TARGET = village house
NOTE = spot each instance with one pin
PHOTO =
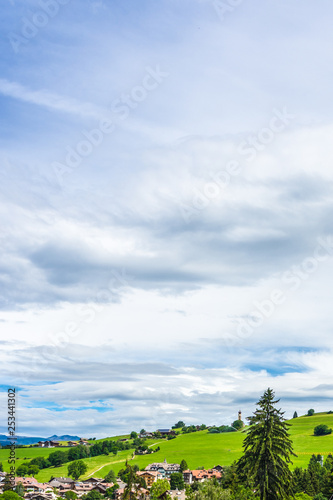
(187, 475)
(93, 480)
(142, 494)
(190, 476)
(58, 481)
(2, 479)
(82, 487)
(163, 468)
(149, 476)
(76, 488)
(40, 496)
(31, 484)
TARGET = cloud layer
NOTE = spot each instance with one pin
(166, 211)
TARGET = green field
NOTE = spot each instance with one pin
(198, 449)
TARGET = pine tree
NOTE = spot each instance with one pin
(267, 450)
(329, 462)
(19, 489)
(183, 465)
(316, 475)
(299, 480)
(7, 485)
(295, 414)
(133, 483)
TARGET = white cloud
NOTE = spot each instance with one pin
(152, 251)
(49, 100)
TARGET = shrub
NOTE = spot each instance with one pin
(238, 424)
(10, 495)
(322, 430)
(302, 496)
(311, 412)
(110, 477)
(227, 428)
(70, 495)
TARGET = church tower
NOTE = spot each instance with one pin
(240, 415)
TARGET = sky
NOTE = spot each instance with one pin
(166, 211)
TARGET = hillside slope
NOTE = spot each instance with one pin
(198, 449)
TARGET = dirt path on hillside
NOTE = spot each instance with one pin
(118, 461)
(155, 443)
(109, 463)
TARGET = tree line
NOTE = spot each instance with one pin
(59, 457)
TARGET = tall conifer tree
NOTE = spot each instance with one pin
(267, 450)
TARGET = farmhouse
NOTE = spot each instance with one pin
(146, 435)
(166, 432)
(48, 444)
(72, 443)
(84, 442)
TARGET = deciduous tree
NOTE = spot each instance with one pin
(238, 424)
(177, 481)
(76, 469)
(158, 488)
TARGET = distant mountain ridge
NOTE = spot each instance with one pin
(33, 440)
(64, 437)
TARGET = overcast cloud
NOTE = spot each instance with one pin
(166, 211)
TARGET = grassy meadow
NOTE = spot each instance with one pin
(198, 449)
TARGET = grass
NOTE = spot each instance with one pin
(93, 463)
(305, 443)
(198, 449)
(114, 438)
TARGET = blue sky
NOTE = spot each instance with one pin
(166, 211)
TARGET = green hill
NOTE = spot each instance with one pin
(198, 449)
